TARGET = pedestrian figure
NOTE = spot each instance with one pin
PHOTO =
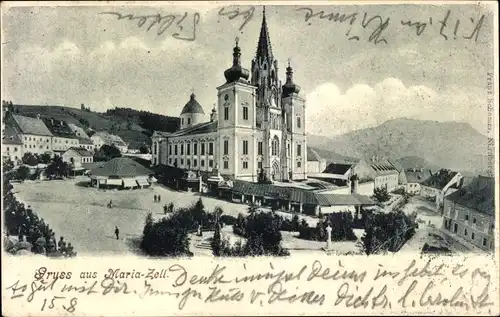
(117, 232)
(155, 198)
(165, 209)
(159, 198)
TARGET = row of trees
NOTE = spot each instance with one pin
(33, 233)
(262, 233)
(56, 167)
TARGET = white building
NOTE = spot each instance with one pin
(440, 185)
(256, 131)
(77, 156)
(33, 132)
(100, 138)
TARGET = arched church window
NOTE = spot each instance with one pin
(275, 146)
(265, 66)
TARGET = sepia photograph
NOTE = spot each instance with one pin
(212, 131)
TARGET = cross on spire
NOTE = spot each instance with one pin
(237, 39)
(289, 61)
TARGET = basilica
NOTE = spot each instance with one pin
(255, 131)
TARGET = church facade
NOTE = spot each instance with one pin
(256, 130)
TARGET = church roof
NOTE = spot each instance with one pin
(201, 128)
(192, 106)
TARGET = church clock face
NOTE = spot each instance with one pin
(226, 97)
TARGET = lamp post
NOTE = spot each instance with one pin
(328, 237)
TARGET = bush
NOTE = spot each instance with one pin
(381, 194)
(340, 222)
(228, 220)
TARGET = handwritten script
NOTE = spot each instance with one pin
(347, 287)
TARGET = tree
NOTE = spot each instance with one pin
(23, 173)
(30, 159)
(58, 167)
(108, 152)
(143, 149)
(7, 164)
(381, 194)
(45, 158)
(167, 237)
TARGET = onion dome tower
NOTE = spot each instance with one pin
(290, 87)
(192, 113)
(236, 72)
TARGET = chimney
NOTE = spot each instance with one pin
(52, 121)
(213, 115)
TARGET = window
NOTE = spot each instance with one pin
(472, 236)
(465, 232)
(245, 147)
(195, 148)
(259, 165)
(195, 163)
(299, 164)
(182, 149)
(259, 148)
(25, 138)
(245, 165)
(226, 113)
(466, 217)
(275, 146)
(474, 220)
(226, 165)
(298, 122)
(182, 121)
(226, 147)
(188, 149)
(202, 149)
(7, 149)
(245, 113)
(202, 163)
(299, 150)
(188, 162)
(155, 148)
(175, 149)
(170, 161)
(170, 149)
(485, 241)
(189, 120)
(210, 163)
(182, 161)
(211, 148)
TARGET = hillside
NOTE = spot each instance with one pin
(452, 145)
(415, 161)
(134, 127)
(331, 156)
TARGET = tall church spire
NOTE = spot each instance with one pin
(264, 46)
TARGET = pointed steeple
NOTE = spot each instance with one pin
(264, 45)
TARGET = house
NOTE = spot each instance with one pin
(414, 177)
(12, 145)
(86, 144)
(83, 139)
(100, 138)
(469, 213)
(440, 185)
(78, 155)
(401, 170)
(34, 134)
(378, 170)
(315, 164)
(63, 137)
(340, 171)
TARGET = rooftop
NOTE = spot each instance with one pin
(201, 128)
(81, 151)
(417, 175)
(479, 195)
(28, 125)
(121, 167)
(59, 128)
(440, 179)
(339, 169)
(192, 106)
(11, 137)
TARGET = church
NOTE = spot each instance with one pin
(256, 131)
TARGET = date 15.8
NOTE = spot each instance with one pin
(57, 300)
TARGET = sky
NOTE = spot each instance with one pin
(350, 77)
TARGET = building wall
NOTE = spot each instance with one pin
(36, 144)
(196, 162)
(191, 119)
(63, 144)
(365, 189)
(388, 181)
(13, 151)
(77, 158)
(412, 188)
(313, 167)
(475, 227)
